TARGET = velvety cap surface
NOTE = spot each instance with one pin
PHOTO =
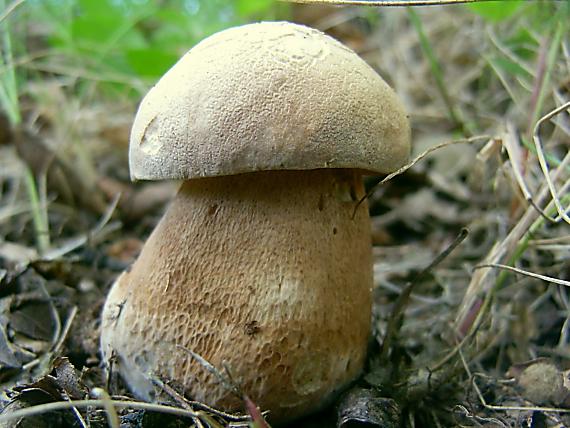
(267, 96)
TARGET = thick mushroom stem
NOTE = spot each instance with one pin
(268, 273)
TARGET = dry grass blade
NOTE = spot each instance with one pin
(54, 314)
(396, 319)
(78, 415)
(483, 282)
(112, 416)
(11, 8)
(511, 143)
(77, 242)
(526, 273)
(204, 408)
(59, 336)
(560, 239)
(416, 160)
(511, 408)
(479, 419)
(474, 376)
(179, 399)
(65, 405)
(546, 62)
(225, 380)
(562, 212)
(386, 2)
(64, 331)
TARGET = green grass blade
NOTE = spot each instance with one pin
(39, 214)
(436, 70)
(8, 83)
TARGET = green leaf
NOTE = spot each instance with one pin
(150, 62)
(98, 7)
(510, 67)
(247, 8)
(495, 11)
(95, 29)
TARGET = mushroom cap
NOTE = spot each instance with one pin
(268, 96)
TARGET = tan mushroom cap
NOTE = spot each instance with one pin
(268, 96)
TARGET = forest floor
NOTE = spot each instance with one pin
(471, 243)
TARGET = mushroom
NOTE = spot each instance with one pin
(261, 263)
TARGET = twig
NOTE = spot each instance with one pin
(565, 239)
(180, 400)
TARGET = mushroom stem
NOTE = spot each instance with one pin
(267, 273)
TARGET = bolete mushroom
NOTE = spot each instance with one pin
(261, 263)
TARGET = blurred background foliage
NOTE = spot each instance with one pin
(122, 43)
(128, 44)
